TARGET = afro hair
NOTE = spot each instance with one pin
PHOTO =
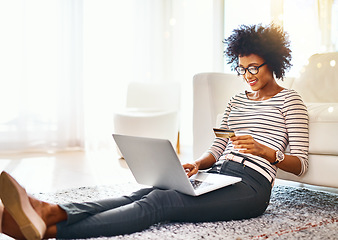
(270, 43)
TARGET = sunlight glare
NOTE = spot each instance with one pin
(332, 63)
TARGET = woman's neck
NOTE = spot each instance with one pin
(264, 94)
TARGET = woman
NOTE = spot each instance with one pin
(265, 121)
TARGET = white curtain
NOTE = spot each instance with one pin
(40, 77)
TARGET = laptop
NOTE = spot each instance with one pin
(154, 162)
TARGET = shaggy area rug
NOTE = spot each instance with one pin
(293, 213)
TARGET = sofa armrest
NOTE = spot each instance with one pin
(211, 93)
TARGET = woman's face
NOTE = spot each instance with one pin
(263, 78)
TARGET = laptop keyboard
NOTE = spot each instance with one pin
(197, 183)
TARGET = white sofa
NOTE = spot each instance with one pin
(317, 84)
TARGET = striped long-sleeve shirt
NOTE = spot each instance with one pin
(276, 122)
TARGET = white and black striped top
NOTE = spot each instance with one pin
(276, 122)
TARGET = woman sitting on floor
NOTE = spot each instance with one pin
(265, 121)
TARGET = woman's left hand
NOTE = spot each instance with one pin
(247, 144)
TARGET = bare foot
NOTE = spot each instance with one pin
(50, 213)
(16, 203)
(30, 215)
(10, 227)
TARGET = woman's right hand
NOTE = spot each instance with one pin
(190, 168)
(204, 162)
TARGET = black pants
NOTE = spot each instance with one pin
(246, 199)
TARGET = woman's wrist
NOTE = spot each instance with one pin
(197, 164)
(269, 154)
(205, 161)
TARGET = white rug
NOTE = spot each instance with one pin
(293, 213)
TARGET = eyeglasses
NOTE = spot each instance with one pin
(252, 69)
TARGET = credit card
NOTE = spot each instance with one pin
(224, 133)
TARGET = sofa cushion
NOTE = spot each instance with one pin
(323, 128)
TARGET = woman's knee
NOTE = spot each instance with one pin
(164, 200)
(137, 195)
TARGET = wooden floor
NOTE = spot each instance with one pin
(49, 172)
(43, 172)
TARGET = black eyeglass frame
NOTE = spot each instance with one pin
(257, 68)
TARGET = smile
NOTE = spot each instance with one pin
(252, 82)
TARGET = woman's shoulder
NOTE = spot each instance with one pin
(238, 99)
(240, 95)
(290, 94)
(292, 99)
